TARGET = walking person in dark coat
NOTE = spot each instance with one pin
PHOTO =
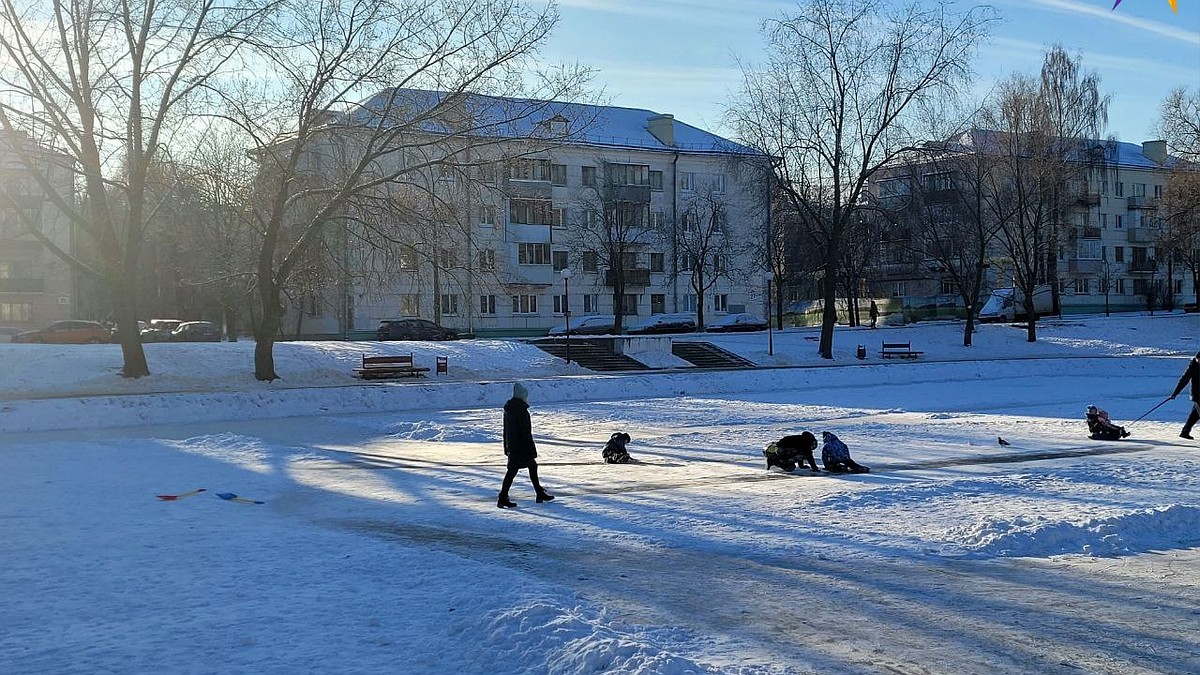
(1192, 374)
(519, 446)
(874, 314)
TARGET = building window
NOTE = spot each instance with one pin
(486, 173)
(629, 304)
(590, 262)
(1120, 288)
(410, 304)
(530, 212)
(688, 302)
(949, 287)
(533, 254)
(657, 219)
(591, 303)
(558, 217)
(1158, 190)
(629, 260)
(720, 302)
(899, 289)
(1089, 249)
(687, 181)
(559, 259)
(487, 259)
(1118, 254)
(1104, 220)
(449, 304)
(1120, 221)
(558, 174)
(487, 305)
(588, 176)
(16, 311)
(628, 174)
(535, 170)
(524, 304)
(658, 303)
(487, 215)
(1120, 189)
(560, 304)
(1138, 189)
(448, 258)
(656, 181)
(938, 182)
(656, 262)
(1083, 286)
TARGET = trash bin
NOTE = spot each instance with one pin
(862, 352)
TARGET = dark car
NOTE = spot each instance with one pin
(114, 334)
(196, 331)
(737, 323)
(592, 324)
(664, 323)
(66, 333)
(159, 330)
(413, 329)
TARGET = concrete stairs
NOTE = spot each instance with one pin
(590, 355)
(708, 355)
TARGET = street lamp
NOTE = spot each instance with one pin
(770, 336)
(566, 277)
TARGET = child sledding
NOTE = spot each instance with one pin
(614, 450)
(1101, 428)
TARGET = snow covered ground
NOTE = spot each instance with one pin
(378, 548)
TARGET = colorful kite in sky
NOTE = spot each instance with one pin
(1171, 2)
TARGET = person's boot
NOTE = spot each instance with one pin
(503, 503)
(543, 496)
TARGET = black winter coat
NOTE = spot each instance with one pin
(1192, 373)
(518, 434)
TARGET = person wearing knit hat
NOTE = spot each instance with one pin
(519, 447)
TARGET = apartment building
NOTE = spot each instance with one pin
(1108, 241)
(525, 230)
(36, 286)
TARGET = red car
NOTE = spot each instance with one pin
(66, 333)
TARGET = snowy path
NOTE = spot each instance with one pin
(380, 543)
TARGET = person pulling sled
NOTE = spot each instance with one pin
(1101, 428)
(789, 451)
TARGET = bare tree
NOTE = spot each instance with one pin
(326, 158)
(833, 102)
(111, 85)
(1179, 207)
(704, 244)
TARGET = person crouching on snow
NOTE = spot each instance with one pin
(1101, 427)
(836, 456)
(519, 446)
(789, 451)
(614, 450)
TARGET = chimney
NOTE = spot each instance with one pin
(1156, 151)
(662, 127)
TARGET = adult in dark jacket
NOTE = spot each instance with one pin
(789, 451)
(519, 446)
(1192, 374)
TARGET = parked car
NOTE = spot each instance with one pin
(664, 323)
(734, 323)
(196, 331)
(66, 333)
(114, 334)
(413, 329)
(594, 324)
(159, 330)
(7, 333)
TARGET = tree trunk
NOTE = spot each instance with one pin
(229, 317)
(699, 277)
(265, 330)
(1030, 317)
(133, 355)
(829, 311)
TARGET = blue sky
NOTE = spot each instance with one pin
(681, 56)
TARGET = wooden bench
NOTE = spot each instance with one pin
(377, 367)
(901, 350)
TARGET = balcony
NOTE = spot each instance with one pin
(528, 234)
(1143, 266)
(22, 285)
(1142, 235)
(1085, 266)
(1089, 199)
(634, 277)
(532, 275)
(1141, 203)
(1087, 232)
(637, 194)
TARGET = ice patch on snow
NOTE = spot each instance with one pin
(1173, 526)
(548, 638)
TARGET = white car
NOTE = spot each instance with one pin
(593, 324)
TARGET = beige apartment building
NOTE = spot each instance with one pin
(524, 231)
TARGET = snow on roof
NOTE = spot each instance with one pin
(521, 118)
(1116, 153)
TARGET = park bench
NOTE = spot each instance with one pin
(443, 365)
(901, 350)
(377, 367)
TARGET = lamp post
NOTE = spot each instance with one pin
(770, 335)
(566, 277)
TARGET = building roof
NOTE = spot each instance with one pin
(1116, 153)
(522, 118)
